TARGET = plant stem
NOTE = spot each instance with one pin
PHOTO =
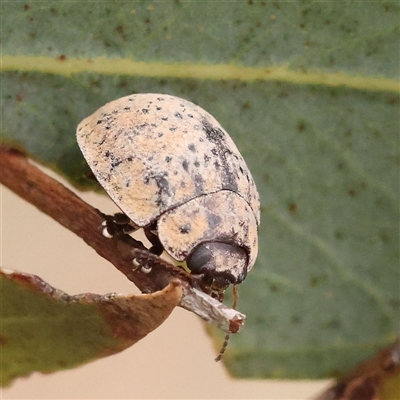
(60, 203)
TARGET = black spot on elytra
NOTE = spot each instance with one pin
(185, 165)
(145, 111)
(163, 189)
(116, 162)
(199, 184)
(185, 229)
(223, 154)
(168, 159)
(196, 164)
(213, 220)
(213, 134)
(192, 148)
(103, 139)
(162, 183)
(178, 115)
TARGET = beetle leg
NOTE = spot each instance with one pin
(151, 234)
(117, 224)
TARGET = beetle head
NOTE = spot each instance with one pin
(221, 264)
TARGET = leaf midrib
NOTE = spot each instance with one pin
(130, 67)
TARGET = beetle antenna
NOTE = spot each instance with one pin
(226, 340)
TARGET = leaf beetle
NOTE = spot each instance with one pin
(175, 172)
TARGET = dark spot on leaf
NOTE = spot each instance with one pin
(300, 126)
(26, 7)
(392, 100)
(122, 85)
(245, 106)
(352, 192)
(338, 235)
(62, 57)
(292, 207)
(334, 323)
(315, 280)
(19, 97)
(385, 238)
(121, 30)
(295, 319)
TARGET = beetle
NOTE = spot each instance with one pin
(175, 172)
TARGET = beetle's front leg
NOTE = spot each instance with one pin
(151, 233)
(117, 224)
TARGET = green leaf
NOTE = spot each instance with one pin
(44, 329)
(308, 90)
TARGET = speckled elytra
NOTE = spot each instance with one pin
(173, 170)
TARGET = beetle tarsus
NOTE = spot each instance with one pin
(117, 224)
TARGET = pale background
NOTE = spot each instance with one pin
(176, 361)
